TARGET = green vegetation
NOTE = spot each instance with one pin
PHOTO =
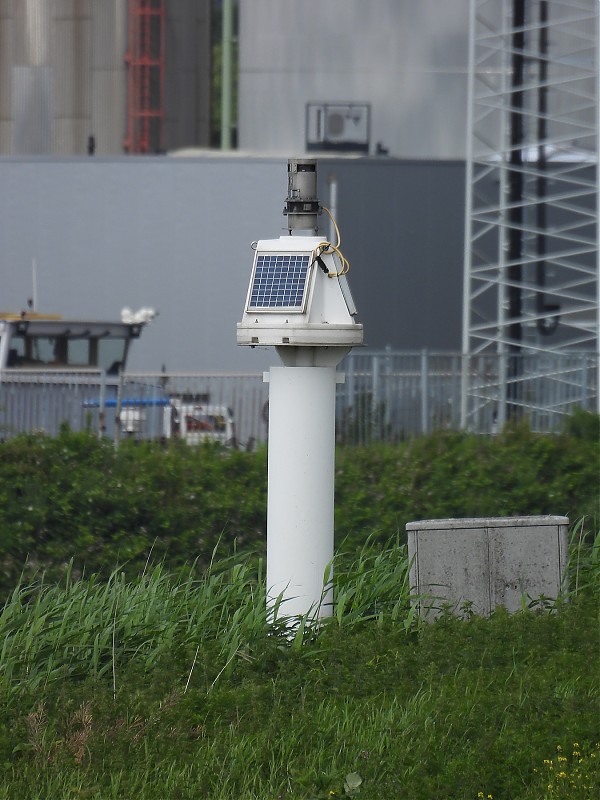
(75, 499)
(161, 678)
(174, 686)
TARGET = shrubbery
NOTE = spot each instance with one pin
(380, 489)
(75, 498)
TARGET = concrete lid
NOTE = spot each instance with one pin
(486, 522)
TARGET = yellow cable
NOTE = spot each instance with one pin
(337, 230)
(327, 247)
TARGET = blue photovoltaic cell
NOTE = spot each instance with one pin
(279, 281)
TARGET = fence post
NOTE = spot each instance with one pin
(102, 406)
(454, 394)
(424, 392)
(347, 394)
(117, 431)
(502, 367)
(376, 391)
(464, 390)
(585, 395)
(387, 391)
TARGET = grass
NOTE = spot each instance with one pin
(173, 686)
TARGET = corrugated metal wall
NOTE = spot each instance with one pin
(407, 58)
(187, 79)
(63, 75)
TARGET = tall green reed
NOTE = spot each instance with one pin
(93, 628)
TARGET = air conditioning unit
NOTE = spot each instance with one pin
(338, 126)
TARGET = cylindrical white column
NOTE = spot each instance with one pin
(301, 488)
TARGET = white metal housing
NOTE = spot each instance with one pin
(323, 317)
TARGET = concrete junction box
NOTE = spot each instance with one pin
(486, 562)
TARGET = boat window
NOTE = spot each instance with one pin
(78, 352)
(63, 352)
(111, 355)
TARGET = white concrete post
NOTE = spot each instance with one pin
(301, 474)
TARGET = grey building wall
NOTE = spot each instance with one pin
(402, 225)
(407, 58)
(175, 234)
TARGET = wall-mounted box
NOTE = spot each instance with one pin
(485, 563)
(341, 127)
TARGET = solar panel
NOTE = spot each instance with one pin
(279, 282)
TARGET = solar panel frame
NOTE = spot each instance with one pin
(280, 282)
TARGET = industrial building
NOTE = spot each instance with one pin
(104, 76)
(389, 76)
(134, 76)
(458, 143)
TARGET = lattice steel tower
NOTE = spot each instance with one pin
(531, 297)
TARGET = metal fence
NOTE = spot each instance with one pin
(32, 400)
(386, 396)
(391, 395)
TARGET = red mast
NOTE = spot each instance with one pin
(146, 61)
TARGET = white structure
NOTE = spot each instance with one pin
(531, 220)
(299, 297)
(298, 300)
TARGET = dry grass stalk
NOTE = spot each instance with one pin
(79, 729)
(37, 722)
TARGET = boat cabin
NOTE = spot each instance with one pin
(45, 341)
